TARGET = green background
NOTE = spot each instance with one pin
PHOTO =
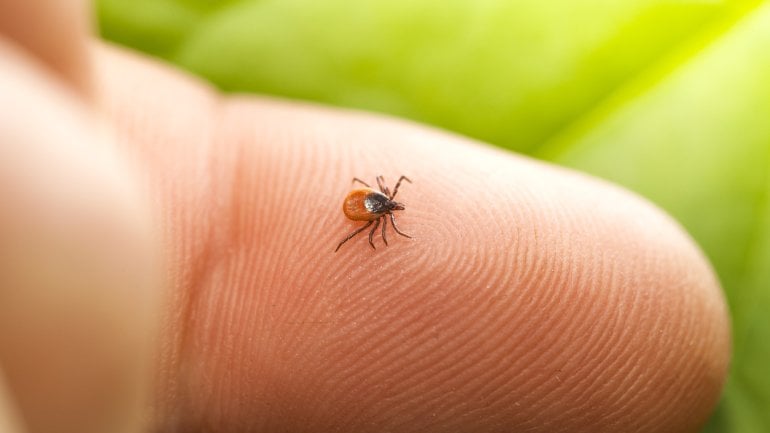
(669, 98)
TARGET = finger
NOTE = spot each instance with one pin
(78, 265)
(531, 298)
(55, 33)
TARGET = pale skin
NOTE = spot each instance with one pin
(162, 272)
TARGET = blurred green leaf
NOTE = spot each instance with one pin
(670, 98)
(507, 72)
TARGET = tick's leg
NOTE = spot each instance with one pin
(395, 227)
(355, 179)
(371, 233)
(383, 187)
(395, 190)
(359, 230)
(384, 224)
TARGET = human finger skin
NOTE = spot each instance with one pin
(531, 298)
(9, 416)
(55, 32)
(79, 264)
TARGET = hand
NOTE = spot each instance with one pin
(198, 233)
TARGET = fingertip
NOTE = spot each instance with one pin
(561, 300)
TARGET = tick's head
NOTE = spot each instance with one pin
(396, 206)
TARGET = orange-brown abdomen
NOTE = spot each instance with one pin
(354, 205)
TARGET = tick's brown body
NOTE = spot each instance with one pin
(359, 203)
(367, 204)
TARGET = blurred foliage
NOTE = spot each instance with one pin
(670, 98)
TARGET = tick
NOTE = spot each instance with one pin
(367, 204)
